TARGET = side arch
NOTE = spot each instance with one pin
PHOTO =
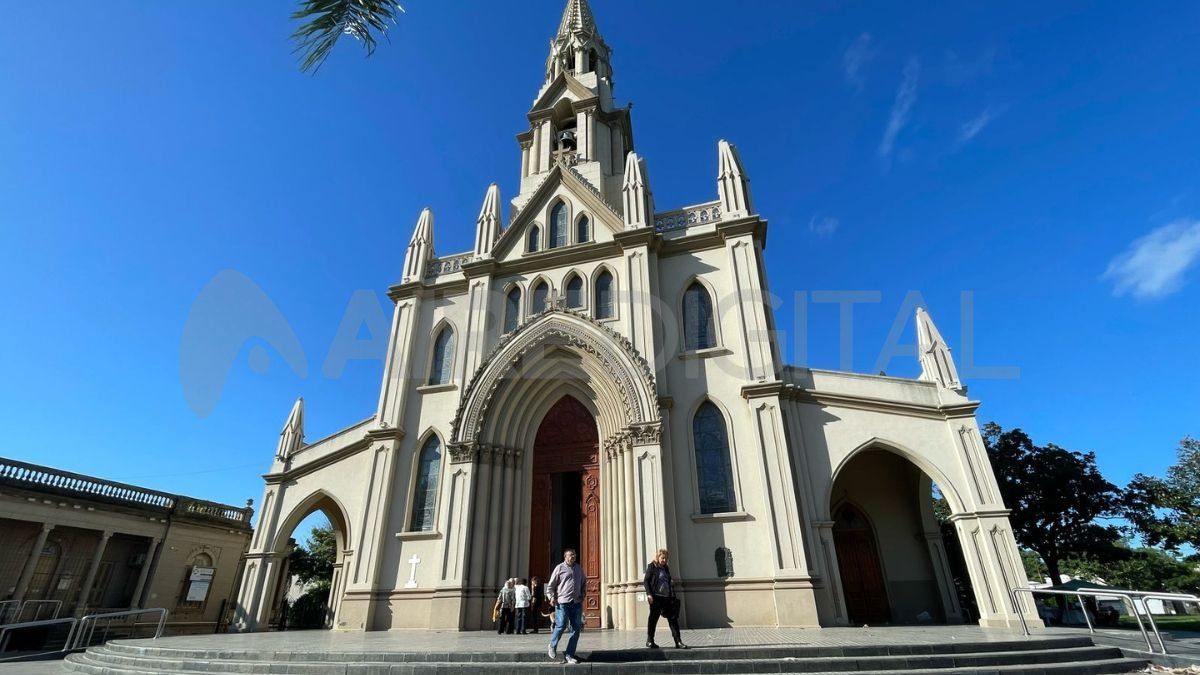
(949, 487)
(318, 500)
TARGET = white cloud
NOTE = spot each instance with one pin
(857, 55)
(1154, 265)
(905, 97)
(971, 128)
(824, 227)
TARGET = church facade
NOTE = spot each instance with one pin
(600, 375)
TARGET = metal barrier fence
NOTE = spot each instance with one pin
(83, 630)
(7, 631)
(1132, 597)
(9, 608)
(37, 609)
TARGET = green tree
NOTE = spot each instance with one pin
(1141, 569)
(1056, 497)
(1166, 511)
(328, 20)
(1035, 569)
(313, 561)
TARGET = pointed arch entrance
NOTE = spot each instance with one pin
(565, 511)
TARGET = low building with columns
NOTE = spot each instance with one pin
(601, 374)
(80, 545)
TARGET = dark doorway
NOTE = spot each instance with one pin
(858, 563)
(566, 497)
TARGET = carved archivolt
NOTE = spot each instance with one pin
(629, 374)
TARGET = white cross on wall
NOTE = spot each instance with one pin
(412, 576)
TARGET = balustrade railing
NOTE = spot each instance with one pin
(447, 265)
(215, 510)
(44, 478)
(680, 219)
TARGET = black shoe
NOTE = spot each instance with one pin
(651, 645)
(679, 645)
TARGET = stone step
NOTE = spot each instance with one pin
(99, 661)
(536, 654)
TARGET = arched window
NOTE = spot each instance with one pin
(535, 236)
(425, 489)
(604, 296)
(583, 230)
(714, 473)
(575, 292)
(541, 295)
(512, 310)
(443, 357)
(699, 327)
(558, 225)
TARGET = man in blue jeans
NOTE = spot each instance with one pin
(565, 591)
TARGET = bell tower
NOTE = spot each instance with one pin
(573, 122)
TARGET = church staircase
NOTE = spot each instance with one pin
(1040, 656)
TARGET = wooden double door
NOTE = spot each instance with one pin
(565, 510)
(863, 583)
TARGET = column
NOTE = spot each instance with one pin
(630, 564)
(832, 575)
(31, 563)
(135, 602)
(86, 589)
(546, 160)
(945, 579)
(524, 159)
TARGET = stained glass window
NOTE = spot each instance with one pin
(541, 294)
(425, 492)
(714, 473)
(558, 225)
(535, 235)
(512, 310)
(583, 230)
(699, 328)
(604, 296)
(575, 292)
(443, 357)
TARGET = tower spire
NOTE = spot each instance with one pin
(576, 18)
(420, 249)
(733, 187)
(487, 227)
(577, 48)
(292, 436)
(936, 362)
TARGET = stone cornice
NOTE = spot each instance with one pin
(643, 236)
(479, 267)
(763, 390)
(980, 514)
(319, 463)
(890, 406)
(385, 433)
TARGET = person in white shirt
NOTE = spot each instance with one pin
(524, 595)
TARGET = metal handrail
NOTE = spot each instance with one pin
(7, 628)
(57, 608)
(4, 609)
(1131, 596)
(77, 631)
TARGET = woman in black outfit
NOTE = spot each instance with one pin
(538, 596)
(660, 593)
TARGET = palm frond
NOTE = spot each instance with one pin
(328, 20)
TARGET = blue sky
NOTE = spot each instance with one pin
(1041, 157)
